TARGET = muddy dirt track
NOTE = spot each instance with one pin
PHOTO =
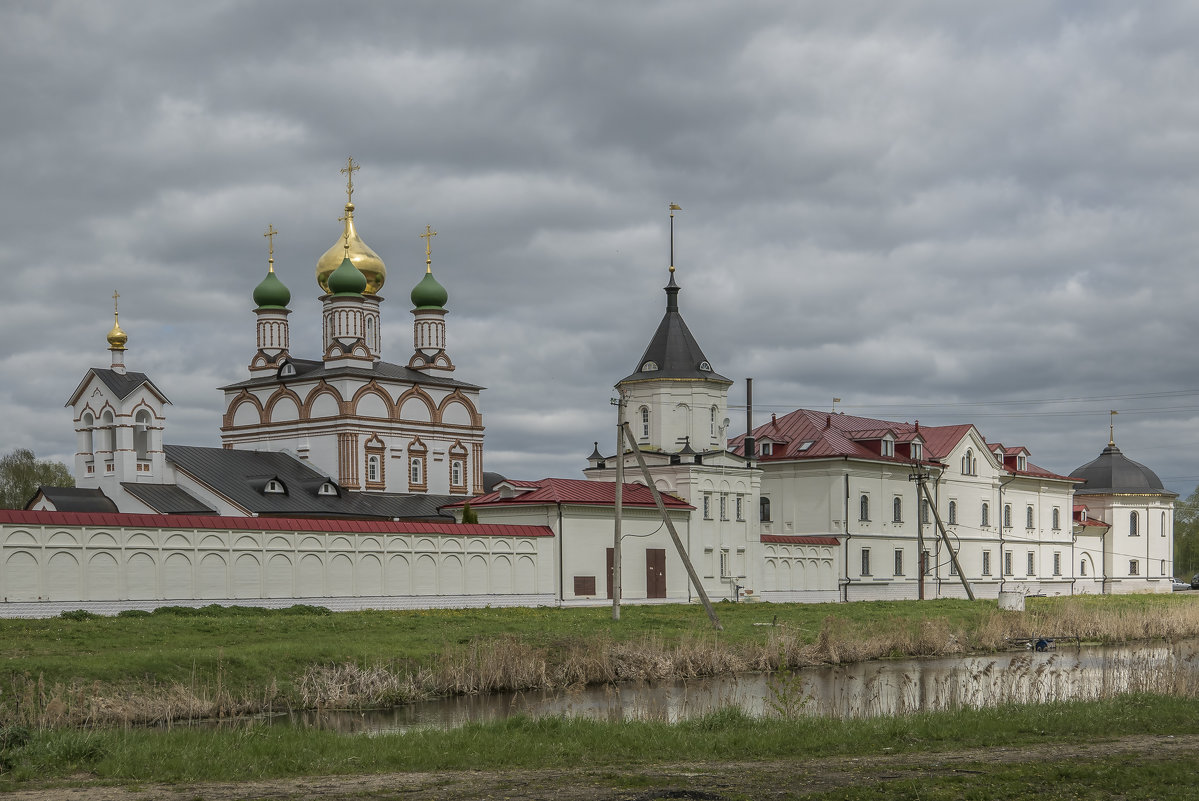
(703, 781)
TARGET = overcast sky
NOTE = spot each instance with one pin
(944, 211)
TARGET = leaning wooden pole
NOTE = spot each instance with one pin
(944, 536)
(674, 535)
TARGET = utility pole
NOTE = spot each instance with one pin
(619, 403)
(674, 535)
(921, 479)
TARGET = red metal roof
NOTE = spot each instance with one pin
(211, 522)
(845, 436)
(799, 540)
(577, 491)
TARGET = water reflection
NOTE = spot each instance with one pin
(859, 690)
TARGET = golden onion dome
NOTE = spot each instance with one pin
(116, 337)
(361, 256)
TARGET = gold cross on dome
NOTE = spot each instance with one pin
(270, 236)
(349, 171)
(428, 237)
(115, 296)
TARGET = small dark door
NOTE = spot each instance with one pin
(655, 572)
(610, 572)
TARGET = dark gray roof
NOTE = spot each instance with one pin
(76, 499)
(673, 349)
(121, 384)
(167, 499)
(240, 476)
(308, 369)
(490, 479)
(1113, 473)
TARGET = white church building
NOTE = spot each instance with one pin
(341, 481)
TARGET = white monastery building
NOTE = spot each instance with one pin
(342, 481)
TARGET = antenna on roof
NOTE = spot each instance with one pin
(835, 402)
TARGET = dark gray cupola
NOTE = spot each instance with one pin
(1113, 473)
(673, 352)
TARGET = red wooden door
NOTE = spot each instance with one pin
(655, 572)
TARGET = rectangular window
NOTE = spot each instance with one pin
(1007, 563)
(898, 562)
(986, 563)
(1134, 567)
(707, 506)
(709, 563)
(1031, 564)
(1163, 567)
(725, 566)
(865, 561)
(724, 506)
(1057, 563)
(740, 507)
(953, 568)
(928, 563)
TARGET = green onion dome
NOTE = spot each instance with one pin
(271, 293)
(429, 294)
(346, 279)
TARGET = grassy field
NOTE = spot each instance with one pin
(183, 663)
(255, 753)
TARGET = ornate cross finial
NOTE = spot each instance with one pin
(673, 208)
(349, 171)
(270, 236)
(115, 297)
(1111, 427)
(428, 237)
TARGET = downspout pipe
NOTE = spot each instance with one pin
(561, 563)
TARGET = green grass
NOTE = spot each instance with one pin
(253, 653)
(249, 753)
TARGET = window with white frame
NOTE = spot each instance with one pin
(707, 506)
(1007, 515)
(1163, 531)
(1133, 525)
(1057, 563)
(456, 473)
(986, 563)
(953, 513)
(1057, 519)
(917, 451)
(865, 561)
(864, 508)
(1030, 568)
(739, 507)
(1007, 563)
(985, 516)
(712, 423)
(1021, 462)
(1029, 517)
(899, 561)
(888, 448)
(764, 509)
(724, 506)
(417, 470)
(897, 510)
(726, 569)
(645, 422)
(968, 462)
(372, 468)
(1134, 567)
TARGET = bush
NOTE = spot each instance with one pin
(79, 614)
(133, 613)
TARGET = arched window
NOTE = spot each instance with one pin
(1163, 531)
(925, 512)
(897, 510)
(645, 422)
(89, 423)
(953, 513)
(370, 333)
(1133, 520)
(1057, 519)
(864, 508)
(968, 462)
(1007, 515)
(1028, 517)
(372, 468)
(986, 514)
(764, 509)
(141, 435)
(713, 421)
(417, 471)
(456, 473)
(107, 433)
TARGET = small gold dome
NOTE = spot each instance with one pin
(361, 256)
(116, 337)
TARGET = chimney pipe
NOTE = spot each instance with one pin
(749, 419)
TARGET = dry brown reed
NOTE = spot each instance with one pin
(510, 663)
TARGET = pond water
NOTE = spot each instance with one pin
(866, 689)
